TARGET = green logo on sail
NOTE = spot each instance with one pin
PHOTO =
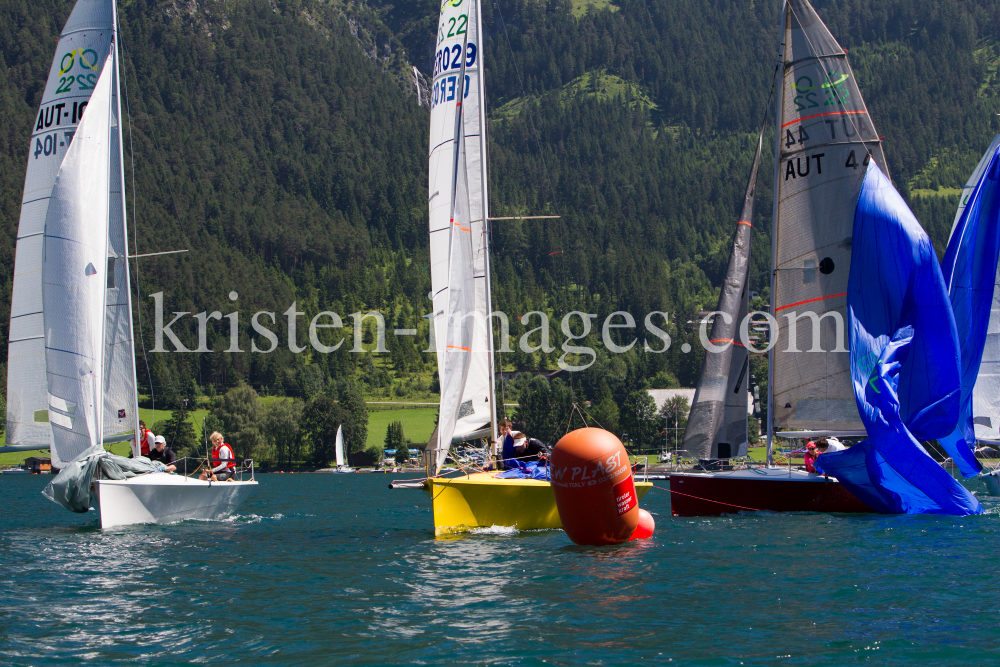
(832, 92)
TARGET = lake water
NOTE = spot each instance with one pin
(339, 570)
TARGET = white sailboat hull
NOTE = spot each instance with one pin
(166, 498)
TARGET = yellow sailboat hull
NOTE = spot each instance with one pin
(481, 500)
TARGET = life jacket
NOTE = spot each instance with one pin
(144, 446)
(216, 459)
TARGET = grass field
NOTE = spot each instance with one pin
(418, 422)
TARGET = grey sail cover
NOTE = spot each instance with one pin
(719, 412)
(825, 139)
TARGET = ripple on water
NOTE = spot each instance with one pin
(336, 569)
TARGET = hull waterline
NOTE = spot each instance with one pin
(759, 489)
(480, 500)
(164, 498)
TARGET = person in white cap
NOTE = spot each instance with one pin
(829, 445)
(163, 454)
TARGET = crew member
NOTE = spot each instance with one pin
(163, 454)
(516, 446)
(811, 456)
(145, 441)
(829, 445)
(223, 459)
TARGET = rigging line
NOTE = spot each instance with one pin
(126, 58)
(520, 81)
(135, 231)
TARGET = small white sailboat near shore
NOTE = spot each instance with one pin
(71, 384)
(341, 466)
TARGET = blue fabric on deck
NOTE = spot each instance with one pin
(970, 268)
(905, 361)
(529, 470)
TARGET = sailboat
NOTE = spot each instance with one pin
(839, 227)
(341, 467)
(461, 320)
(821, 124)
(71, 384)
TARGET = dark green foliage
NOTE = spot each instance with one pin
(281, 424)
(543, 409)
(239, 413)
(356, 421)
(179, 433)
(394, 435)
(402, 453)
(289, 155)
(639, 421)
(319, 423)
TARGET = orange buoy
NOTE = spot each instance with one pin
(646, 526)
(595, 493)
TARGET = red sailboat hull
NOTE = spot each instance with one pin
(759, 489)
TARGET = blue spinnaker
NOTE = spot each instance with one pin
(529, 470)
(905, 362)
(970, 268)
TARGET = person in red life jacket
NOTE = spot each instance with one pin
(811, 456)
(146, 441)
(223, 461)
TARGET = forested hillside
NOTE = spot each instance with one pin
(282, 142)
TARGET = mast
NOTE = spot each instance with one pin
(779, 104)
(484, 152)
(121, 382)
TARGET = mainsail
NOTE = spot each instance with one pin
(458, 231)
(717, 427)
(84, 45)
(970, 271)
(824, 142)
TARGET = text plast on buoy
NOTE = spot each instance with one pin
(594, 489)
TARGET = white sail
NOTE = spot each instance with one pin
(83, 46)
(340, 446)
(458, 229)
(824, 139)
(74, 276)
(121, 413)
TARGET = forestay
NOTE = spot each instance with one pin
(717, 427)
(83, 47)
(825, 141)
(458, 230)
